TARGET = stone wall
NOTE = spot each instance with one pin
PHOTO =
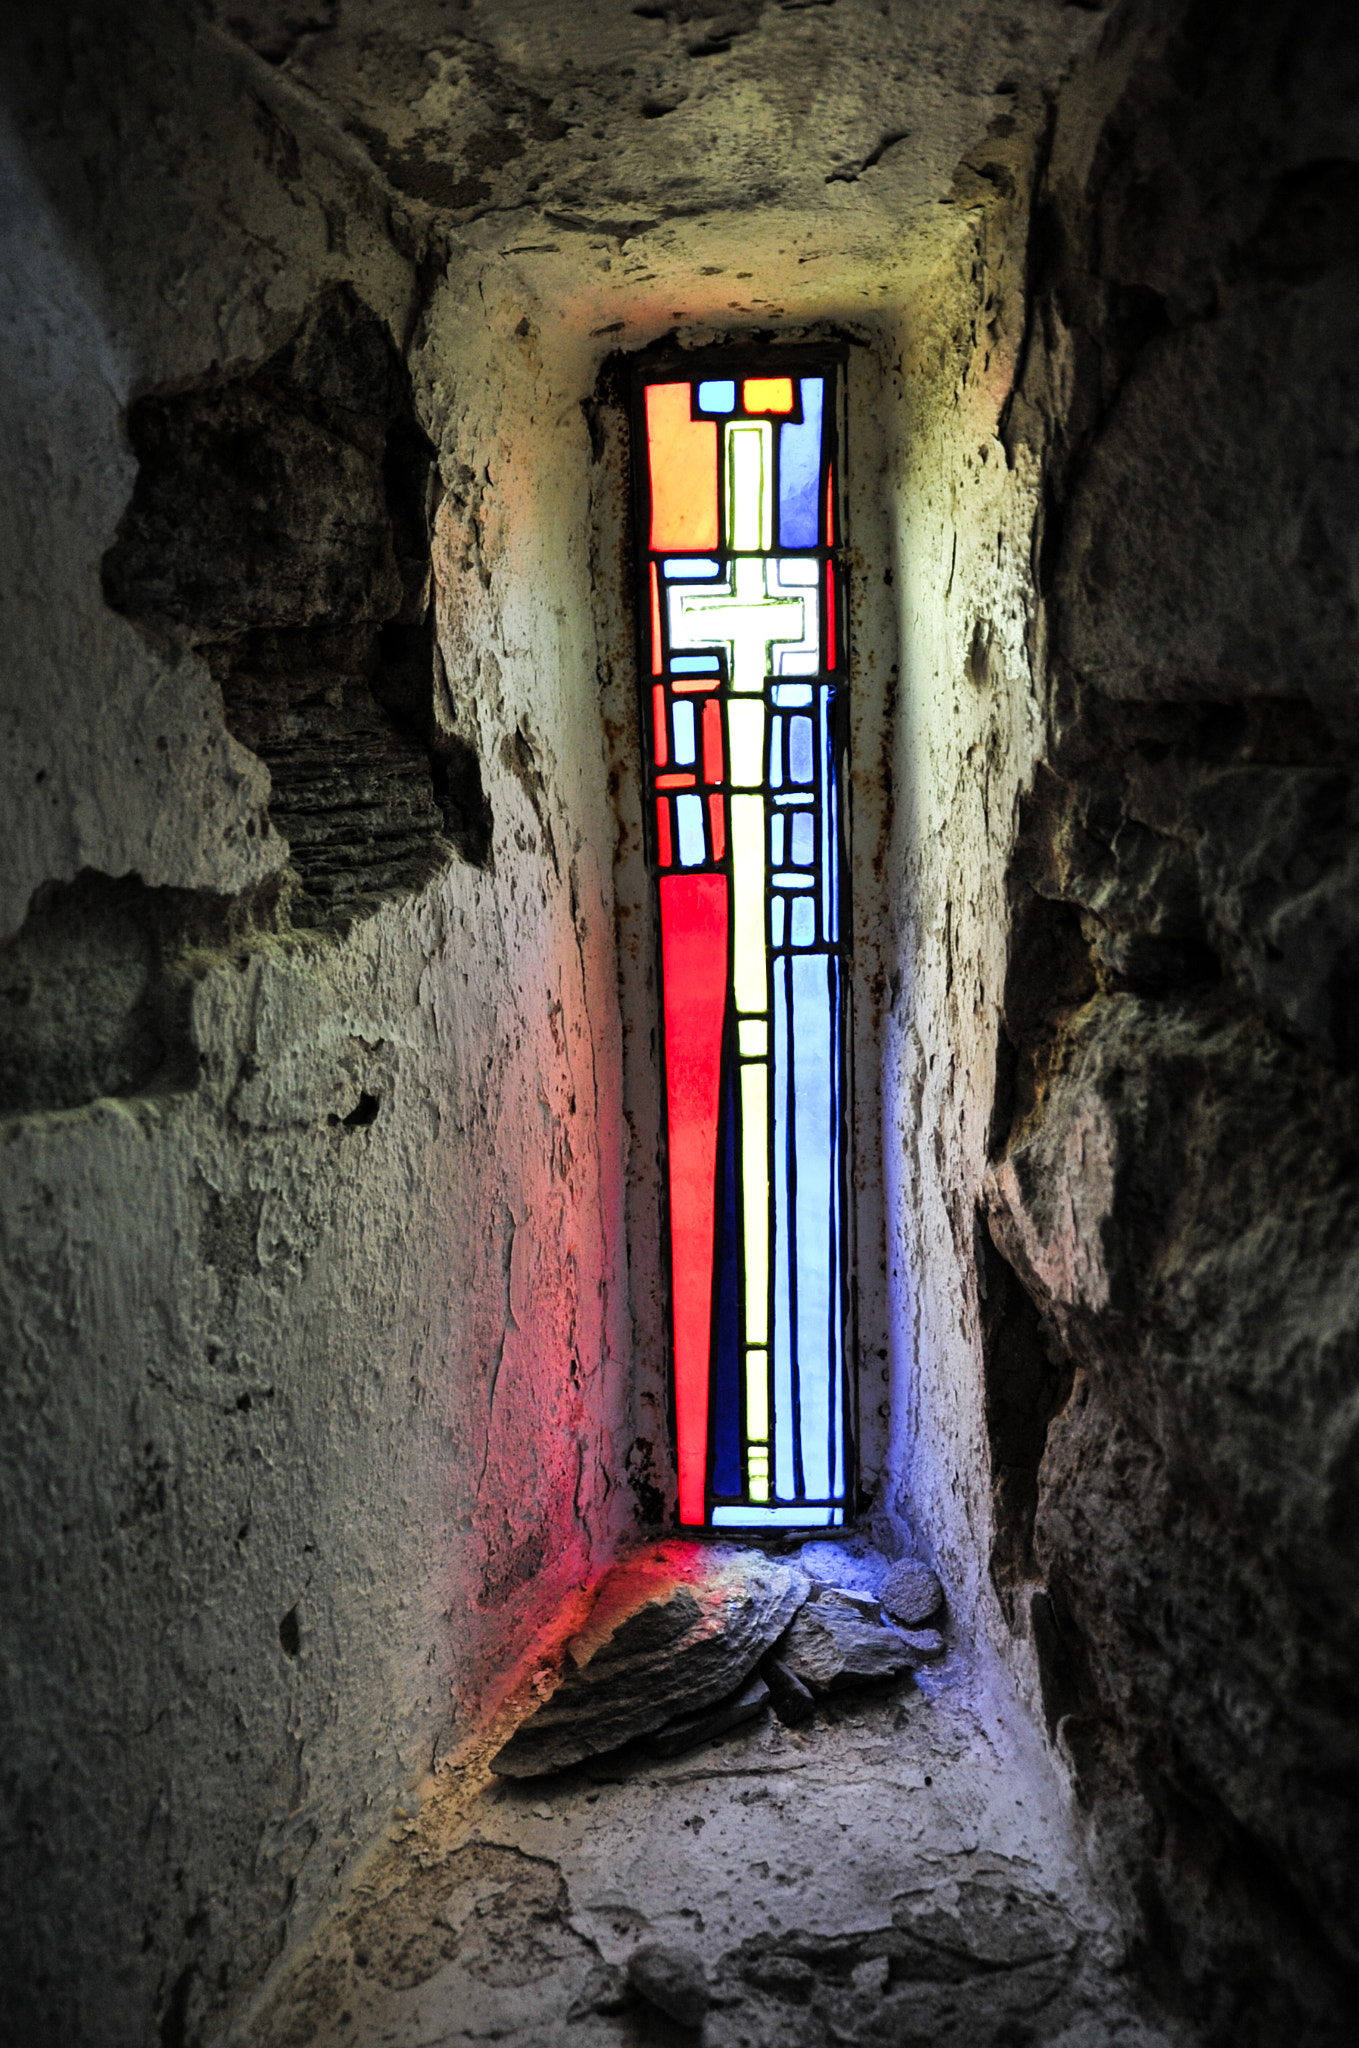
(315, 1344)
(1173, 1178)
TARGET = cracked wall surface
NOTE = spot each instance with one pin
(333, 1294)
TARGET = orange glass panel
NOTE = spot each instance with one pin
(683, 457)
(658, 723)
(712, 742)
(665, 852)
(717, 818)
(655, 624)
(689, 684)
(694, 967)
(675, 781)
(769, 394)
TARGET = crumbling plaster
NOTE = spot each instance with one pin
(321, 1410)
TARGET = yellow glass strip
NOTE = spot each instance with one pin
(745, 741)
(754, 1038)
(749, 978)
(755, 1187)
(757, 1401)
(750, 484)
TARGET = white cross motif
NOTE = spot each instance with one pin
(744, 619)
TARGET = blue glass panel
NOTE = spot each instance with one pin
(690, 567)
(804, 828)
(776, 753)
(717, 394)
(802, 929)
(776, 922)
(786, 694)
(694, 664)
(830, 858)
(689, 817)
(682, 724)
(799, 750)
(727, 1358)
(776, 841)
(800, 472)
(789, 878)
(813, 1145)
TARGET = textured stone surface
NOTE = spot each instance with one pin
(687, 1731)
(671, 1631)
(672, 1979)
(791, 1700)
(1175, 1129)
(738, 1855)
(332, 1285)
(911, 1593)
(831, 1646)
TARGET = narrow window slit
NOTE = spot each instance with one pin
(744, 697)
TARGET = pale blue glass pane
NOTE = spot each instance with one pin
(800, 473)
(786, 694)
(776, 753)
(813, 1141)
(689, 566)
(804, 831)
(776, 841)
(682, 721)
(689, 818)
(776, 922)
(777, 1518)
(717, 394)
(830, 910)
(790, 878)
(802, 930)
(694, 664)
(783, 1474)
(799, 750)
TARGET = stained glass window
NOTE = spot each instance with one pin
(743, 662)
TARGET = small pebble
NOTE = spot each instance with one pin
(672, 1979)
(543, 1810)
(911, 1593)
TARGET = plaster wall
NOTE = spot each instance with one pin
(315, 1351)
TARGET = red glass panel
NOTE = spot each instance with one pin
(658, 723)
(683, 455)
(665, 852)
(694, 964)
(830, 508)
(683, 781)
(830, 616)
(717, 816)
(712, 742)
(655, 624)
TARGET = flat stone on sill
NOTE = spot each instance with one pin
(928, 1643)
(686, 1731)
(829, 1647)
(677, 1629)
(789, 1697)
